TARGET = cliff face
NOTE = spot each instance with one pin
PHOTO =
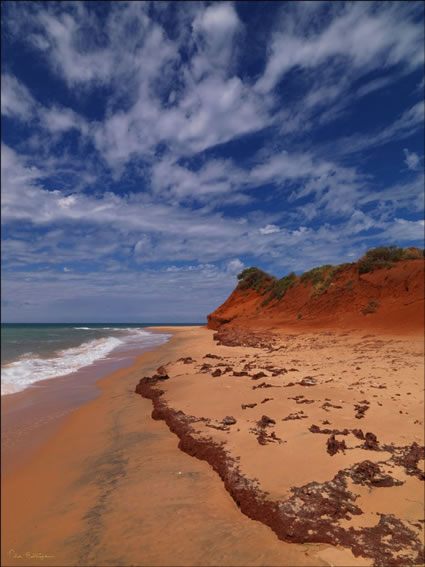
(385, 298)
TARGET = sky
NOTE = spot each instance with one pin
(151, 151)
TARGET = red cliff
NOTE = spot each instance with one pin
(384, 290)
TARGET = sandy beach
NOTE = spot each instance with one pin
(213, 295)
(111, 487)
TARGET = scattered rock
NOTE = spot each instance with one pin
(216, 373)
(266, 400)
(276, 371)
(369, 474)
(327, 405)
(186, 360)
(229, 420)
(409, 458)
(209, 355)
(262, 436)
(296, 415)
(308, 381)
(241, 373)
(358, 433)
(244, 406)
(334, 446)
(316, 429)
(258, 375)
(162, 373)
(265, 421)
(232, 336)
(361, 410)
(371, 442)
(313, 511)
(159, 376)
(264, 385)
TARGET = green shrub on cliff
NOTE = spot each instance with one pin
(320, 277)
(254, 278)
(385, 256)
(413, 254)
(316, 275)
(278, 288)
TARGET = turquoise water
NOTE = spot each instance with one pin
(33, 352)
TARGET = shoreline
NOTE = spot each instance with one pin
(30, 416)
(111, 485)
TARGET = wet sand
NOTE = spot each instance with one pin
(111, 487)
(30, 416)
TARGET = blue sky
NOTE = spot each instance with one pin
(151, 151)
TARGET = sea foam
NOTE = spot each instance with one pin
(31, 368)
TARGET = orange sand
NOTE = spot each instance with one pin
(110, 487)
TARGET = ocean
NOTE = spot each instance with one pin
(34, 352)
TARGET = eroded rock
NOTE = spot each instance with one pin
(333, 446)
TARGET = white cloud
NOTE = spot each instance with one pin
(215, 178)
(412, 160)
(74, 66)
(211, 111)
(374, 85)
(269, 229)
(39, 41)
(16, 100)
(174, 92)
(365, 35)
(57, 119)
(207, 105)
(214, 30)
(408, 122)
(282, 166)
(235, 266)
(403, 230)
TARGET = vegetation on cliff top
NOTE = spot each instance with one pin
(385, 256)
(322, 276)
(254, 278)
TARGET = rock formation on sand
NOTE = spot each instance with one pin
(293, 456)
(384, 289)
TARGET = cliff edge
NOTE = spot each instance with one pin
(383, 290)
